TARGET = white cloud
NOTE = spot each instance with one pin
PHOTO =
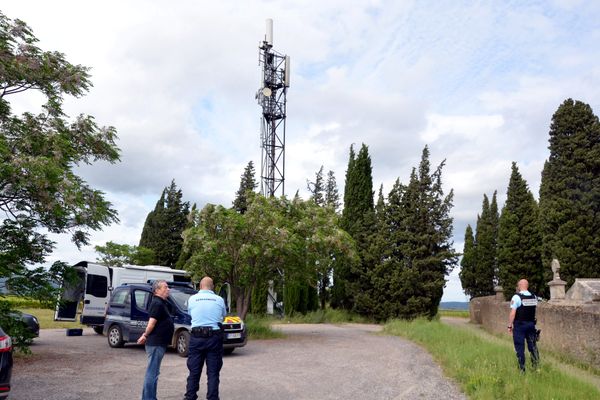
(477, 83)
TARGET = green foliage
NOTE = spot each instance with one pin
(468, 277)
(273, 238)
(317, 188)
(358, 220)
(409, 278)
(164, 226)
(332, 196)
(519, 239)
(116, 255)
(247, 184)
(16, 328)
(259, 327)
(486, 370)
(486, 250)
(569, 193)
(39, 151)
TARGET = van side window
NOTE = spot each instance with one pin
(120, 297)
(97, 285)
(142, 299)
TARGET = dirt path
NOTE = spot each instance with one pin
(571, 370)
(312, 362)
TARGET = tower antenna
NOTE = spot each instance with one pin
(272, 97)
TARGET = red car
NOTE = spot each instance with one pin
(6, 363)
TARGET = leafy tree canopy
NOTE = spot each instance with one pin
(116, 255)
(39, 149)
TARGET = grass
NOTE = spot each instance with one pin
(259, 327)
(46, 318)
(453, 313)
(327, 316)
(487, 370)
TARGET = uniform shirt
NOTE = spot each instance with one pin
(206, 309)
(162, 334)
(515, 302)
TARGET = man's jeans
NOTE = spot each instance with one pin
(155, 355)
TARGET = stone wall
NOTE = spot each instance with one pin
(572, 329)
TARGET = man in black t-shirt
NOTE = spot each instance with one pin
(157, 337)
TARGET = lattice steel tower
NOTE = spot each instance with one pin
(272, 98)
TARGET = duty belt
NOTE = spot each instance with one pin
(204, 331)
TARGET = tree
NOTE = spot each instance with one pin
(409, 279)
(468, 269)
(569, 193)
(39, 190)
(358, 219)
(274, 237)
(519, 239)
(486, 248)
(316, 188)
(332, 196)
(247, 184)
(116, 255)
(164, 226)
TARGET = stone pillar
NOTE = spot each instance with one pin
(557, 286)
(499, 293)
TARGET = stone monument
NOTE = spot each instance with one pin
(557, 285)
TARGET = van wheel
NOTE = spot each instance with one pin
(182, 343)
(115, 336)
(98, 329)
(228, 351)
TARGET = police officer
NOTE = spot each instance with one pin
(521, 323)
(206, 341)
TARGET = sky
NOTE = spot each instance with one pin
(477, 82)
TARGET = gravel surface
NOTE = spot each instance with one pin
(320, 361)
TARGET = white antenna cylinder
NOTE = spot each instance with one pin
(286, 76)
(269, 35)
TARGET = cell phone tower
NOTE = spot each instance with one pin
(272, 97)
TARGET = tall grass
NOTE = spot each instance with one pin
(327, 316)
(487, 370)
(259, 327)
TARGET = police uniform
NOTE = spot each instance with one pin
(206, 343)
(525, 304)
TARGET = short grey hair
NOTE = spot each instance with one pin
(156, 284)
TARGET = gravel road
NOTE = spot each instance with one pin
(320, 361)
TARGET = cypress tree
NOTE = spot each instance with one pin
(332, 197)
(409, 278)
(164, 226)
(570, 193)
(358, 220)
(317, 188)
(468, 269)
(247, 184)
(486, 248)
(519, 239)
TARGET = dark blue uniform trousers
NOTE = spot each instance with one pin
(208, 349)
(524, 331)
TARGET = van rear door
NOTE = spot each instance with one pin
(71, 295)
(96, 294)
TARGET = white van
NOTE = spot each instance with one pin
(94, 286)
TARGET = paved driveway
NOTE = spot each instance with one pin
(312, 362)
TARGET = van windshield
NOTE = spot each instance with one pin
(181, 295)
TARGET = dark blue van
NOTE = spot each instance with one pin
(127, 317)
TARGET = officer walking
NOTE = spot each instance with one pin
(206, 341)
(521, 323)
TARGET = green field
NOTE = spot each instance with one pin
(485, 369)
